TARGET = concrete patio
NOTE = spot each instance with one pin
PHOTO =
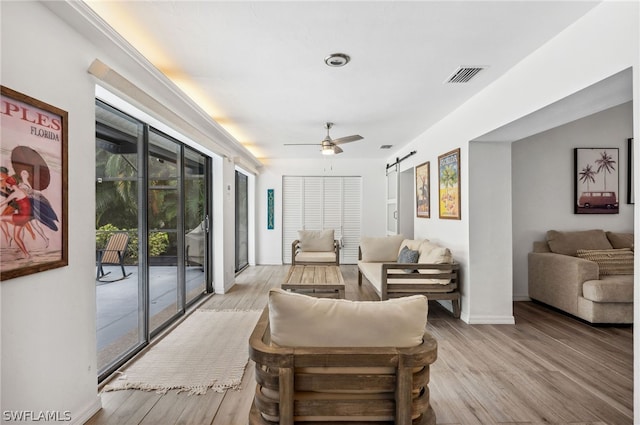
(117, 305)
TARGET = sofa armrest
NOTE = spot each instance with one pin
(557, 279)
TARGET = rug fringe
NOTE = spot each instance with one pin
(193, 390)
(228, 310)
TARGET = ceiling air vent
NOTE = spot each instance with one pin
(386, 146)
(464, 74)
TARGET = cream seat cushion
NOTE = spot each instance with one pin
(299, 320)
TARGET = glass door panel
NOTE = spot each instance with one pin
(119, 297)
(242, 222)
(392, 201)
(164, 215)
(196, 225)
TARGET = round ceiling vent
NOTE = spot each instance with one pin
(337, 60)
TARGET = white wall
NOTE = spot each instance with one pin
(269, 242)
(543, 189)
(489, 241)
(602, 43)
(48, 318)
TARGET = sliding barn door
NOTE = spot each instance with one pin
(321, 203)
(392, 200)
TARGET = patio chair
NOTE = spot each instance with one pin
(112, 255)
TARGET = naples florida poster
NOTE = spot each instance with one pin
(33, 185)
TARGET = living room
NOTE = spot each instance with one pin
(53, 312)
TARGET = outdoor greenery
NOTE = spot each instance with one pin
(117, 202)
(158, 241)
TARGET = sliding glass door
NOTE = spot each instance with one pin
(156, 190)
(164, 217)
(196, 223)
(120, 305)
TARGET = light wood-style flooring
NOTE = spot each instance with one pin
(547, 369)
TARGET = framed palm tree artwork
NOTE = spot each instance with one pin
(596, 180)
(449, 185)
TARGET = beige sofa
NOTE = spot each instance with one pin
(588, 274)
(397, 267)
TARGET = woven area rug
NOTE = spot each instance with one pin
(209, 350)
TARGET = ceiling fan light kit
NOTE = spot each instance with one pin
(329, 146)
(328, 150)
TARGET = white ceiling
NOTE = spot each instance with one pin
(258, 67)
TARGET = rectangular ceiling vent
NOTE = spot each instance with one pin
(385, 146)
(464, 74)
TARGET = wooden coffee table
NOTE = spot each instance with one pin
(319, 281)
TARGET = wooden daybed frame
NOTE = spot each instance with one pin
(394, 284)
(405, 376)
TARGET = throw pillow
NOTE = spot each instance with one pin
(568, 243)
(408, 256)
(610, 261)
(298, 320)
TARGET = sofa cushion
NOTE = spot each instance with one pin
(412, 244)
(612, 289)
(610, 261)
(316, 240)
(620, 240)
(316, 257)
(380, 248)
(299, 320)
(432, 253)
(568, 243)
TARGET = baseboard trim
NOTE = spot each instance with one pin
(87, 413)
(521, 298)
(490, 320)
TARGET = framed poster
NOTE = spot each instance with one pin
(596, 180)
(423, 204)
(449, 185)
(33, 185)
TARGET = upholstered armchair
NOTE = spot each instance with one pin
(315, 247)
(323, 361)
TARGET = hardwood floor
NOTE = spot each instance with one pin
(547, 369)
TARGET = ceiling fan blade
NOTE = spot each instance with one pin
(301, 144)
(337, 149)
(347, 139)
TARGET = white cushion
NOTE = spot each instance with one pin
(299, 320)
(381, 248)
(316, 240)
(412, 244)
(431, 253)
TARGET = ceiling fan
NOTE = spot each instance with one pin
(328, 145)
